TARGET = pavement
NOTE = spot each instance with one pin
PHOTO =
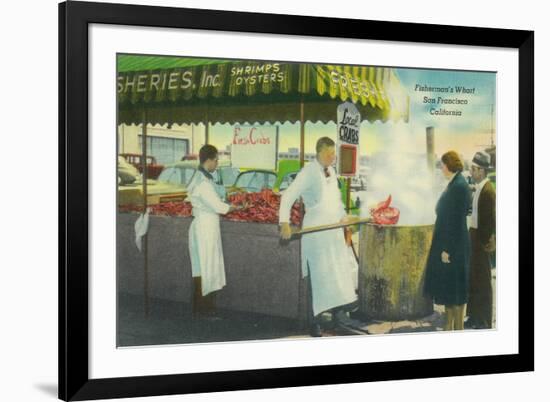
(172, 323)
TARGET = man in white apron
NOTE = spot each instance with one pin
(325, 257)
(205, 242)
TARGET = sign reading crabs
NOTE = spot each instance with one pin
(254, 136)
(348, 127)
(254, 147)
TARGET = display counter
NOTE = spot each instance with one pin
(263, 275)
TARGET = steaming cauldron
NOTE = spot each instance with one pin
(392, 264)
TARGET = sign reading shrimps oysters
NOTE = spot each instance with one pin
(348, 126)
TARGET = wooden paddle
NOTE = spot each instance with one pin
(320, 228)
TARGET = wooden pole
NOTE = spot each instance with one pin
(302, 133)
(430, 154)
(206, 127)
(348, 194)
(145, 241)
(301, 292)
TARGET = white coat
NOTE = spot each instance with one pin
(205, 242)
(324, 254)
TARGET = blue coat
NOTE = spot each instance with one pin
(448, 284)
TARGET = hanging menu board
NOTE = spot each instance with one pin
(348, 126)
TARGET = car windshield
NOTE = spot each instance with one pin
(187, 174)
(182, 175)
(287, 180)
(216, 176)
(255, 181)
(229, 175)
(177, 175)
(171, 175)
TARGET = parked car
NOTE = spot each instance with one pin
(286, 181)
(190, 157)
(157, 193)
(493, 178)
(253, 181)
(287, 169)
(256, 180)
(153, 168)
(126, 172)
(181, 173)
(130, 187)
(359, 181)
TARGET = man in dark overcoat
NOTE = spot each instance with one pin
(482, 235)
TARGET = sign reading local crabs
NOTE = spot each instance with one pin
(254, 147)
(348, 127)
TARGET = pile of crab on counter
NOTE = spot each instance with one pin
(261, 207)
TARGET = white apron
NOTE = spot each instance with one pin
(205, 242)
(326, 254)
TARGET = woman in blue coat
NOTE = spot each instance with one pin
(447, 271)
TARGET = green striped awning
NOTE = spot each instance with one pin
(190, 90)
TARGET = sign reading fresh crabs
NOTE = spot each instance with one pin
(254, 147)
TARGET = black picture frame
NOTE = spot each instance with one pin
(74, 19)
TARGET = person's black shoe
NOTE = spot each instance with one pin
(482, 325)
(315, 331)
(472, 324)
(357, 315)
(340, 317)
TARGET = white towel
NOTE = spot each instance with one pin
(141, 226)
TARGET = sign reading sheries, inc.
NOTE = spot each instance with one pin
(254, 147)
(348, 126)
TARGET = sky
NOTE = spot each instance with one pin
(467, 133)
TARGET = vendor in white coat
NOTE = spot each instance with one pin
(325, 257)
(205, 242)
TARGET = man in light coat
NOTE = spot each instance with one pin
(325, 257)
(205, 242)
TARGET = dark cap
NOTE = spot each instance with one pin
(482, 159)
